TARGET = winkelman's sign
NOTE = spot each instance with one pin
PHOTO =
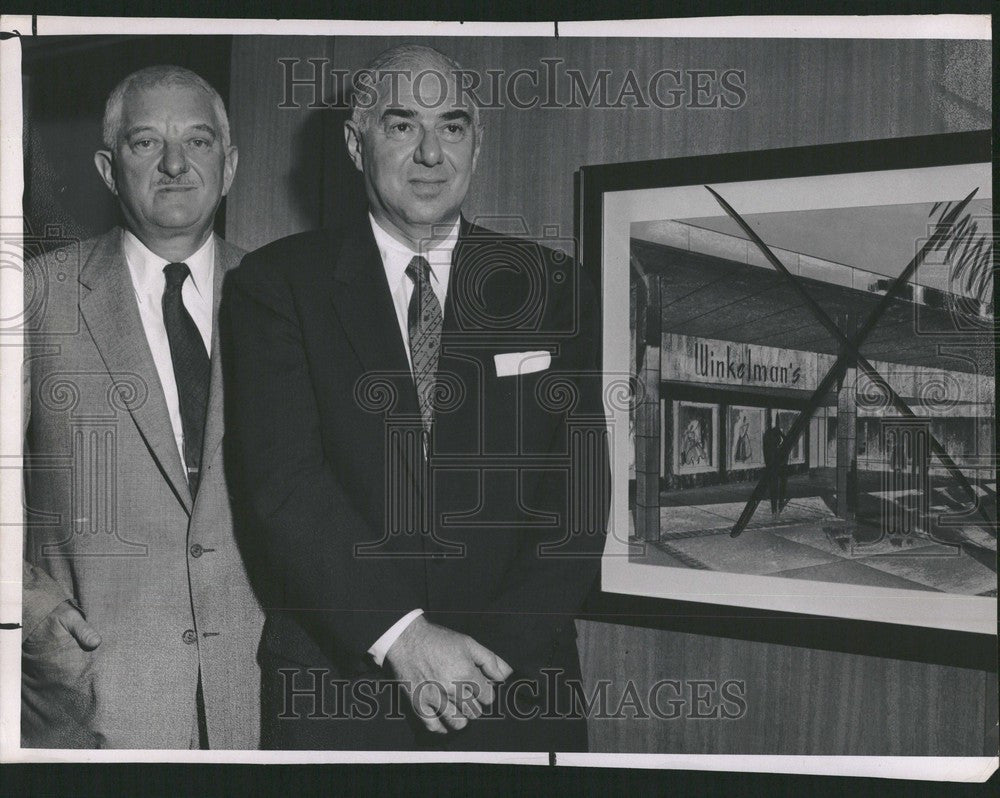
(686, 358)
(689, 359)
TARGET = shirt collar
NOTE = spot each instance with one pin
(147, 266)
(396, 256)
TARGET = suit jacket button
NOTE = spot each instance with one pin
(197, 550)
(189, 636)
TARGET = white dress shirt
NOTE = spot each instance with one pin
(148, 283)
(395, 258)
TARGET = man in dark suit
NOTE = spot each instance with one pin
(421, 442)
(776, 479)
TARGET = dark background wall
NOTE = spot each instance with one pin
(294, 174)
(66, 80)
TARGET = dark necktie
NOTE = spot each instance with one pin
(191, 368)
(424, 320)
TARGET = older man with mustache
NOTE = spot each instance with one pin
(140, 627)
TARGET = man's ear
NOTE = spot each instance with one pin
(104, 162)
(229, 169)
(480, 130)
(352, 137)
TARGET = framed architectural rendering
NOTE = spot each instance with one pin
(850, 284)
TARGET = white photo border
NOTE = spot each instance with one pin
(975, 27)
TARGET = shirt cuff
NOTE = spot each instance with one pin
(381, 646)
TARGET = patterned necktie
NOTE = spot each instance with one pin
(191, 368)
(424, 316)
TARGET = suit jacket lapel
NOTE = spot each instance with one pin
(108, 307)
(363, 303)
(460, 429)
(226, 257)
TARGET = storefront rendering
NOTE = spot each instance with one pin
(725, 350)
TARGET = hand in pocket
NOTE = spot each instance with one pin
(58, 705)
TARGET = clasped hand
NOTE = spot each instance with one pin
(447, 676)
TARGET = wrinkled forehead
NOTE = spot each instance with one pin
(424, 87)
(178, 103)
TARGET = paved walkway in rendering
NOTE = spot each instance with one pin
(808, 541)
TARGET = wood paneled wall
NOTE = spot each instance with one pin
(294, 174)
(279, 179)
(797, 700)
(799, 92)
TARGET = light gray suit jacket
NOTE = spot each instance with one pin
(110, 522)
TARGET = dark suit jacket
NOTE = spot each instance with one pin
(772, 440)
(325, 417)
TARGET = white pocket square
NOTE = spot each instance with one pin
(514, 363)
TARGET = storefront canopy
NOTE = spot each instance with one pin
(717, 297)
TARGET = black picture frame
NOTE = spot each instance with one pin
(848, 635)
